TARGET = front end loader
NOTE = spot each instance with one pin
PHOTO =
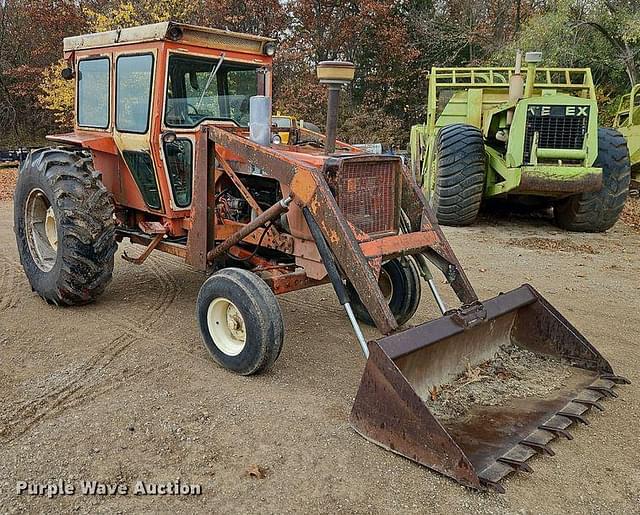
(496, 134)
(627, 122)
(174, 150)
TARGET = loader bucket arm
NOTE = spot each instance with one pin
(310, 189)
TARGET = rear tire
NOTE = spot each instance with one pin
(598, 211)
(64, 226)
(401, 284)
(240, 321)
(460, 171)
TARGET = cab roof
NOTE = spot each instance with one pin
(170, 31)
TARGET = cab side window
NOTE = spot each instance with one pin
(133, 92)
(93, 93)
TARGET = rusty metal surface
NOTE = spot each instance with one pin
(174, 249)
(309, 188)
(197, 240)
(367, 190)
(143, 257)
(292, 281)
(440, 253)
(388, 412)
(532, 182)
(488, 442)
(315, 184)
(400, 245)
(267, 216)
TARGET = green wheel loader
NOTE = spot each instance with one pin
(627, 121)
(534, 139)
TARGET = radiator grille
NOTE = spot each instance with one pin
(366, 193)
(556, 128)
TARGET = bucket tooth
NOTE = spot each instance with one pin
(491, 476)
(539, 440)
(575, 411)
(518, 465)
(492, 485)
(590, 403)
(574, 417)
(538, 447)
(517, 457)
(606, 390)
(557, 430)
(616, 379)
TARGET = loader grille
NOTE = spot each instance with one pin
(558, 127)
(367, 193)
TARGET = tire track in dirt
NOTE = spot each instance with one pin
(9, 284)
(298, 302)
(90, 380)
(160, 268)
(169, 289)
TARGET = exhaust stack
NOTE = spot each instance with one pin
(334, 74)
(516, 86)
(532, 59)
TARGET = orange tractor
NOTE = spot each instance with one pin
(173, 149)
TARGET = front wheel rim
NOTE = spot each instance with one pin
(41, 230)
(226, 326)
(385, 283)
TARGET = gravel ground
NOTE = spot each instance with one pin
(123, 390)
(7, 182)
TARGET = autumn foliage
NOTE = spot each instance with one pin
(392, 42)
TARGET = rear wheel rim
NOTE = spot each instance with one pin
(226, 326)
(41, 229)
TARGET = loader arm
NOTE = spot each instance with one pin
(355, 256)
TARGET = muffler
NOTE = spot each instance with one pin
(478, 392)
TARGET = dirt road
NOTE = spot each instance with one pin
(123, 390)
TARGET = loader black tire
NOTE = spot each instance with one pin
(405, 296)
(68, 261)
(460, 173)
(240, 321)
(599, 210)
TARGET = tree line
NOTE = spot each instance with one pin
(393, 43)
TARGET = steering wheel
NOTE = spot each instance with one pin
(172, 111)
(195, 111)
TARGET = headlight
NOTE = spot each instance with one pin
(169, 137)
(270, 49)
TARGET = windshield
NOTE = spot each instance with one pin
(196, 91)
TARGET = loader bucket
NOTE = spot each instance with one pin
(398, 403)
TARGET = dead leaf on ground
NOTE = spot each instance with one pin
(434, 393)
(256, 471)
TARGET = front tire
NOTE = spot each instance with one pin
(400, 284)
(598, 211)
(64, 226)
(240, 321)
(460, 171)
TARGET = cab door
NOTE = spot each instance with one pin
(134, 84)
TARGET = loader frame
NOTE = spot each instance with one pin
(358, 254)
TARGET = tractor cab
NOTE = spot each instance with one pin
(142, 95)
